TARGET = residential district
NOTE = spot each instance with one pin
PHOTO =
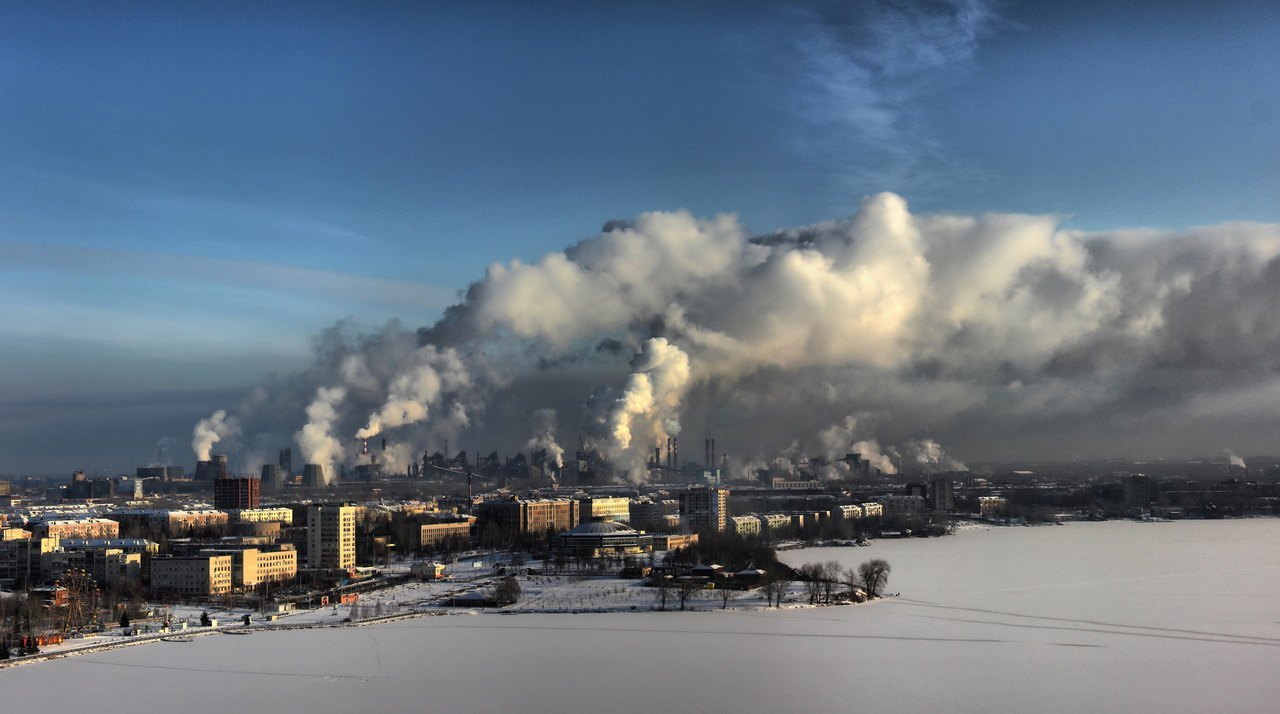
(161, 554)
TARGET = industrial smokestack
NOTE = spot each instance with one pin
(706, 453)
(713, 453)
(669, 456)
(313, 476)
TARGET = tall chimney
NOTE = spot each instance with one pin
(706, 453)
(713, 453)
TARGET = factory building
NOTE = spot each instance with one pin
(313, 476)
(272, 478)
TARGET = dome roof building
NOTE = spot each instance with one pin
(602, 538)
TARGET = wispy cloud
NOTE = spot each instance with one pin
(864, 65)
(416, 298)
(191, 209)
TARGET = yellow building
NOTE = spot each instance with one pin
(607, 508)
(331, 537)
(251, 567)
(261, 515)
(673, 541)
(744, 526)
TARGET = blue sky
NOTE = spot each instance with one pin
(189, 191)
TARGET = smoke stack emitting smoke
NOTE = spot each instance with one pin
(210, 431)
(909, 317)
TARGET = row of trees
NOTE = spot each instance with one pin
(822, 581)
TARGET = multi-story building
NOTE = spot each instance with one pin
(902, 505)
(603, 508)
(942, 495)
(744, 526)
(848, 512)
(204, 574)
(104, 565)
(774, 521)
(171, 524)
(424, 531)
(261, 515)
(21, 555)
(141, 546)
(251, 567)
(237, 492)
(673, 541)
(75, 528)
(992, 506)
(1139, 490)
(511, 516)
(331, 537)
(704, 508)
(644, 513)
(872, 510)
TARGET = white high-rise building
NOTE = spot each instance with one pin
(331, 537)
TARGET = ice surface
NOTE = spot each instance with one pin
(1114, 616)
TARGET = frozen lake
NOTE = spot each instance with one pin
(1093, 616)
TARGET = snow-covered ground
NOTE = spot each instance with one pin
(1084, 617)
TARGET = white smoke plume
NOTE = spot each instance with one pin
(998, 331)
(315, 439)
(544, 437)
(870, 451)
(1235, 460)
(837, 439)
(211, 430)
(929, 456)
(414, 391)
(647, 410)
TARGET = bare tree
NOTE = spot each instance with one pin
(687, 588)
(830, 577)
(811, 576)
(777, 589)
(663, 586)
(875, 575)
(853, 581)
(726, 594)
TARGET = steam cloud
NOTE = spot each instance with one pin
(544, 437)
(210, 431)
(316, 439)
(956, 326)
